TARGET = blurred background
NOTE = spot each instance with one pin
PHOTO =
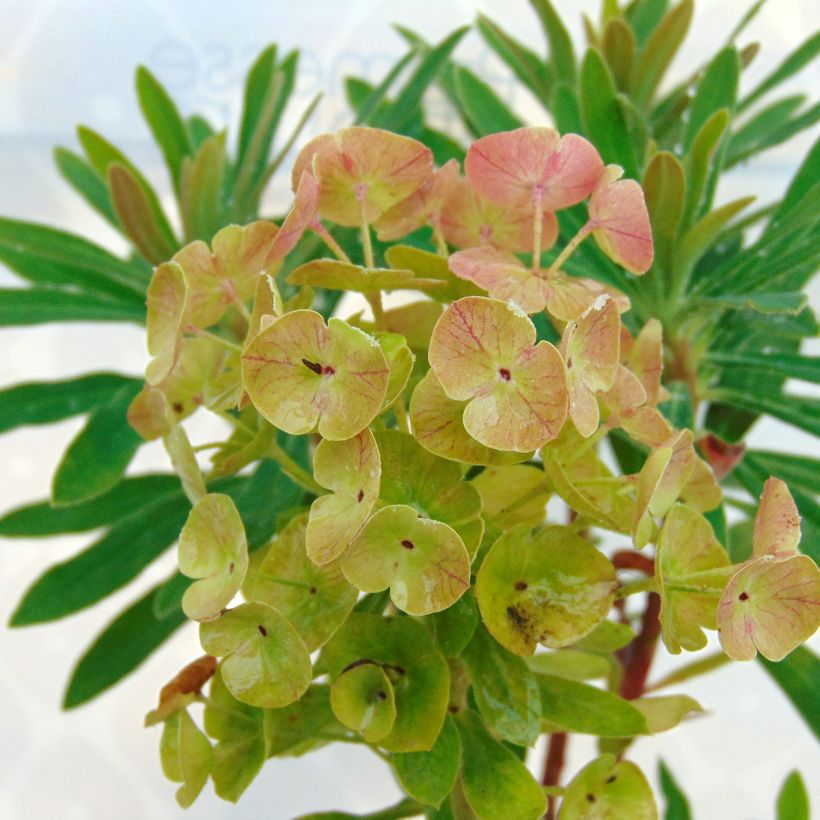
(64, 62)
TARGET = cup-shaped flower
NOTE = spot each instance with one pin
(591, 349)
(423, 562)
(772, 603)
(363, 172)
(265, 662)
(552, 588)
(300, 372)
(484, 351)
(469, 220)
(316, 600)
(688, 553)
(505, 277)
(352, 470)
(363, 699)
(620, 221)
(213, 549)
(530, 164)
(438, 427)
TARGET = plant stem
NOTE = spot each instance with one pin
(439, 241)
(321, 231)
(301, 476)
(553, 767)
(634, 587)
(570, 248)
(637, 657)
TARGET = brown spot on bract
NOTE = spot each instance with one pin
(312, 590)
(591, 798)
(381, 695)
(452, 709)
(314, 366)
(612, 778)
(516, 617)
(521, 585)
(360, 496)
(262, 631)
(744, 596)
(231, 567)
(408, 545)
(328, 370)
(178, 408)
(504, 374)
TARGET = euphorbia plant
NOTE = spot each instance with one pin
(416, 596)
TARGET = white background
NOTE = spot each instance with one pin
(72, 61)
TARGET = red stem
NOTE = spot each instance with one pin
(637, 657)
(553, 767)
(626, 559)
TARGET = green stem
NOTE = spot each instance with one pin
(235, 422)
(301, 476)
(335, 248)
(570, 248)
(634, 587)
(220, 340)
(439, 241)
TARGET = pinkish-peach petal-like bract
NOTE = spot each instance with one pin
(227, 271)
(300, 372)
(620, 221)
(423, 206)
(777, 524)
(305, 205)
(591, 349)
(469, 220)
(363, 172)
(483, 351)
(531, 164)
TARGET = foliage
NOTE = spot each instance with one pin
(386, 572)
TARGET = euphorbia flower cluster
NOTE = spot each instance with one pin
(437, 433)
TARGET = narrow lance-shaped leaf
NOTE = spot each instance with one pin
(84, 179)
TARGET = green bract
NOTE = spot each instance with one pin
(551, 588)
(266, 663)
(300, 372)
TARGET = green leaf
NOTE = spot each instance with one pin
(42, 519)
(792, 365)
(98, 456)
(785, 131)
(644, 16)
(659, 50)
(578, 707)
(403, 110)
(664, 185)
(567, 109)
(703, 233)
(84, 179)
(452, 628)
(678, 407)
(793, 799)
(561, 52)
(756, 130)
(504, 688)
(797, 675)
(47, 402)
(127, 641)
(136, 215)
(800, 57)
(108, 564)
(35, 306)
(47, 256)
(716, 90)
(604, 116)
(481, 105)
(800, 411)
(618, 46)
(496, 783)
(200, 194)
(199, 129)
(102, 154)
(372, 100)
(429, 776)
(699, 159)
(165, 123)
(804, 179)
(525, 64)
(766, 303)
